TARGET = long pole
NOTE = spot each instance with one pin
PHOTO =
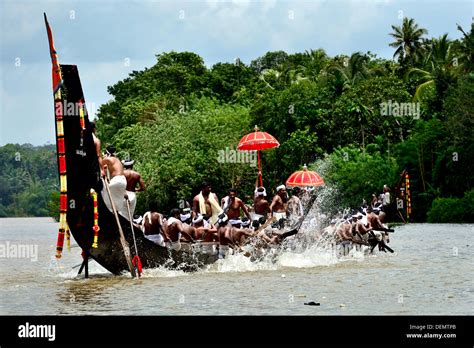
(260, 168)
(123, 241)
(136, 259)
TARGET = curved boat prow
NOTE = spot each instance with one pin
(79, 172)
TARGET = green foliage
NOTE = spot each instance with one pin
(177, 151)
(357, 175)
(446, 210)
(357, 113)
(175, 75)
(451, 210)
(53, 205)
(230, 82)
(27, 178)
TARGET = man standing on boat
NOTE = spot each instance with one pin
(295, 207)
(232, 206)
(133, 179)
(261, 207)
(279, 203)
(118, 183)
(207, 203)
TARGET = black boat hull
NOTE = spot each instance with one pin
(83, 174)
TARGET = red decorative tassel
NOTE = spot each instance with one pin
(138, 264)
(60, 243)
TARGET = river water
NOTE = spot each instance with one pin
(430, 273)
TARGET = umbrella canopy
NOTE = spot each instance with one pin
(304, 177)
(257, 141)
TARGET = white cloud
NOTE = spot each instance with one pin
(22, 19)
(104, 34)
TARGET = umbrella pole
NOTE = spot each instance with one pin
(260, 168)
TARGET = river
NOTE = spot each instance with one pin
(430, 273)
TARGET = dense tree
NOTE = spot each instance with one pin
(176, 151)
(27, 178)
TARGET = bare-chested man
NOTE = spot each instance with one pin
(134, 179)
(152, 227)
(207, 203)
(344, 230)
(223, 230)
(174, 230)
(374, 220)
(295, 207)
(363, 226)
(186, 219)
(232, 206)
(261, 207)
(118, 183)
(204, 231)
(344, 234)
(376, 224)
(240, 232)
(279, 203)
(111, 164)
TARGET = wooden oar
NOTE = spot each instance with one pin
(261, 228)
(298, 225)
(136, 262)
(391, 230)
(123, 241)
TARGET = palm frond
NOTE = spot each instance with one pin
(421, 89)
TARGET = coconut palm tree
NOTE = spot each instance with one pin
(438, 68)
(467, 49)
(281, 77)
(316, 61)
(349, 71)
(408, 41)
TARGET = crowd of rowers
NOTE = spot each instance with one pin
(230, 222)
(366, 225)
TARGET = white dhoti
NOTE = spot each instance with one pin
(132, 198)
(157, 239)
(117, 188)
(279, 215)
(256, 216)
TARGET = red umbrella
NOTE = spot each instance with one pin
(257, 141)
(304, 177)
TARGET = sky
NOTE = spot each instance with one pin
(107, 40)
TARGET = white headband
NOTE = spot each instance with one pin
(281, 187)
(185, 217)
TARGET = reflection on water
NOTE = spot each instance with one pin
(428, 274)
